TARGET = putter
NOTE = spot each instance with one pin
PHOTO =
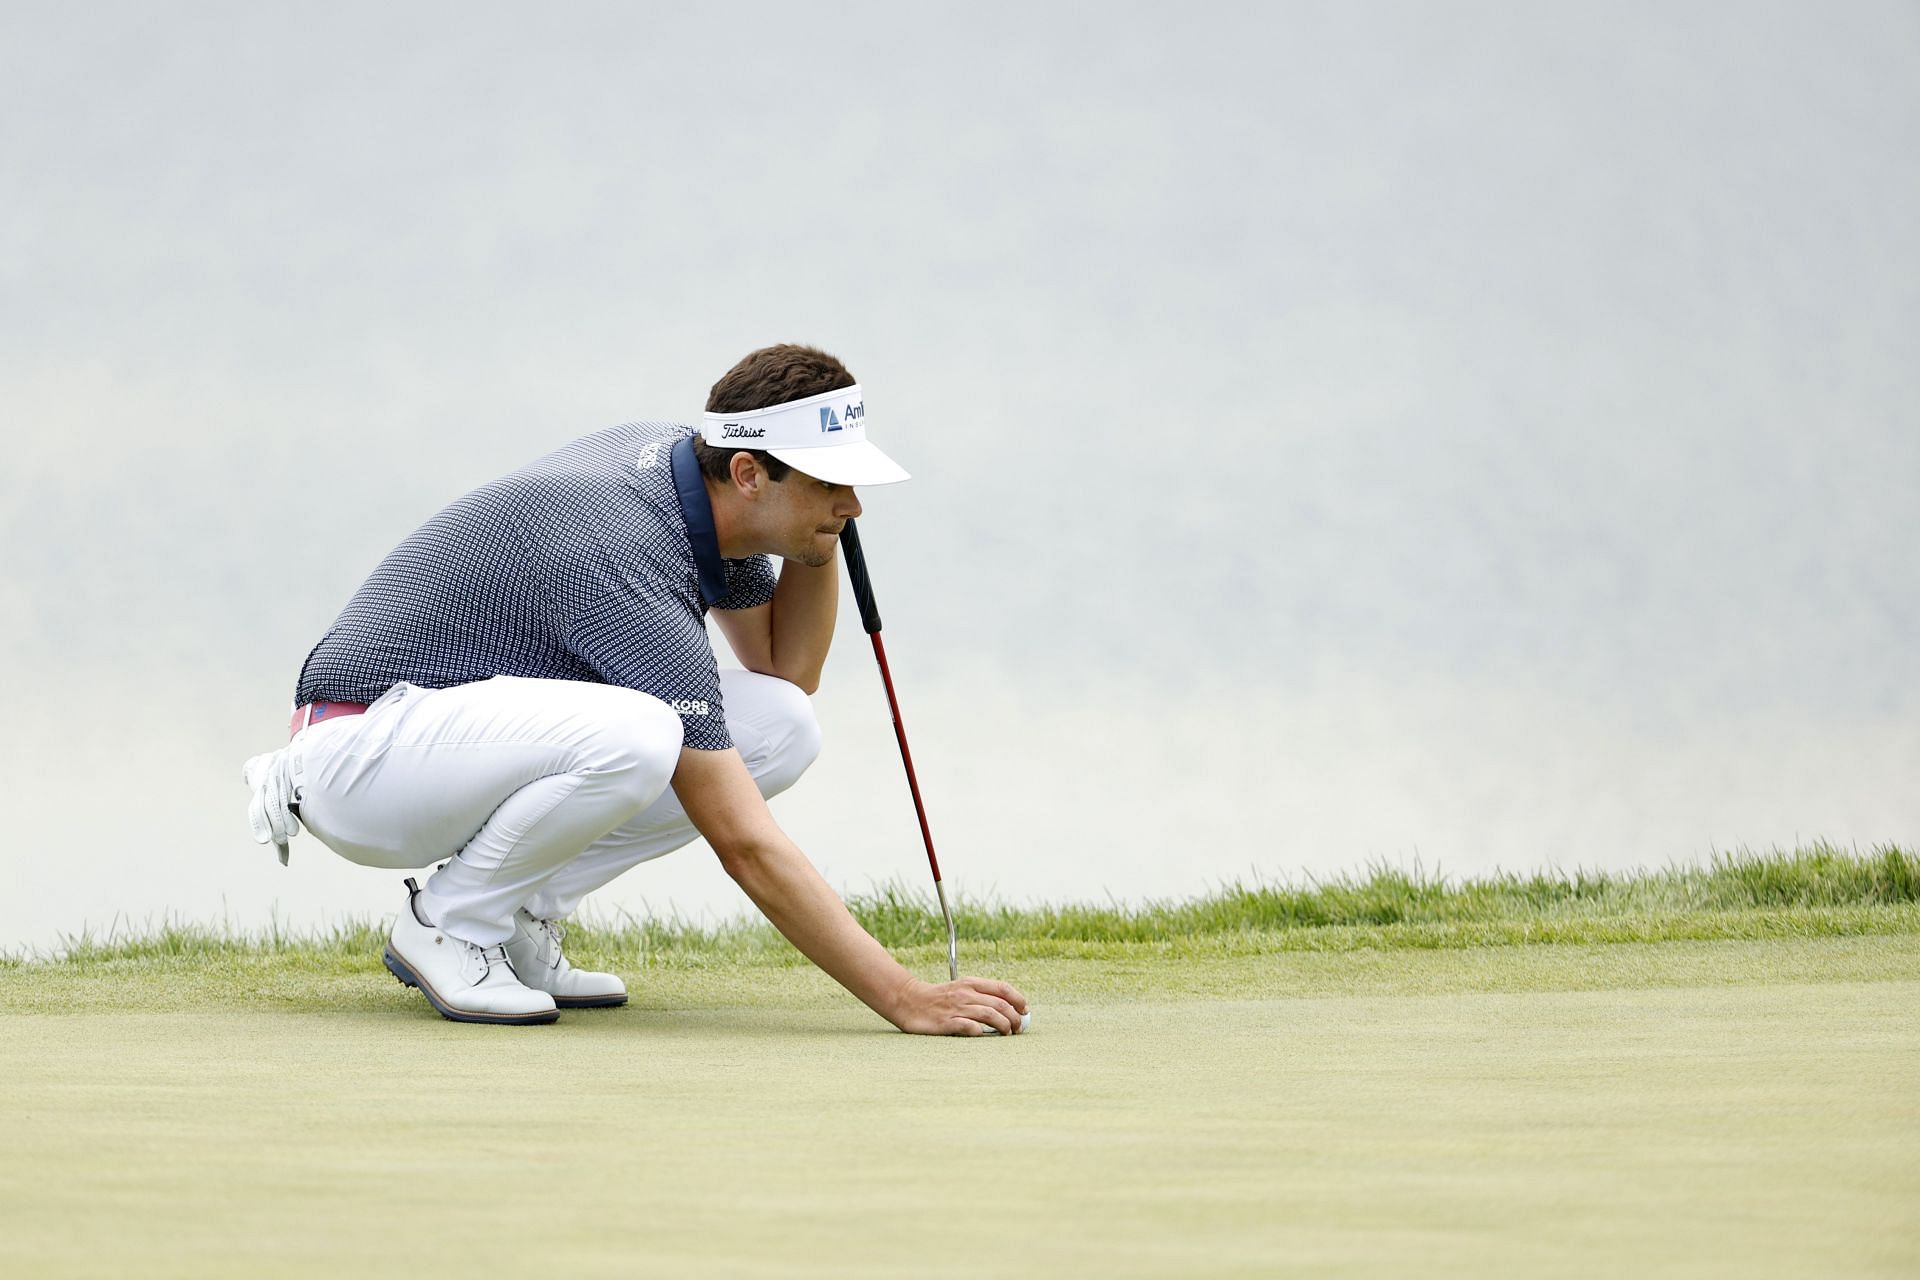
(870, 619)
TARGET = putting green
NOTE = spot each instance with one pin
(1696, 1108)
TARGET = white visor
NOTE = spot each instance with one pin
(824, 436)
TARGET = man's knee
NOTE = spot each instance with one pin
(792, 735)
(639, 743)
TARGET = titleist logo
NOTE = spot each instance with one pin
(734, 431)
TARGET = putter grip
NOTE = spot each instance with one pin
(857, 571)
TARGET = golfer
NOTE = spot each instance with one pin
(524, 693)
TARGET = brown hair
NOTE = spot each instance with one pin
(772, 375)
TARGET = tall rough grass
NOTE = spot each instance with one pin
(1818, 875)
(1389, 906)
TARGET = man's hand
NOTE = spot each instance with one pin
(969, 1007)
(720, 796)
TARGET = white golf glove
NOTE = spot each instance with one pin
(270, 811)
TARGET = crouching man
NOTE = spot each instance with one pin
(524, 691)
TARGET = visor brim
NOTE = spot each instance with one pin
(860, 462)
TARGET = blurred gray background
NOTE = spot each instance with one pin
(1484, 435)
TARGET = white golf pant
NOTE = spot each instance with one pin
(534, 792)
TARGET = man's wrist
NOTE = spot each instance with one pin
(900, 1000)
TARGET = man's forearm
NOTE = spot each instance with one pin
(805, 604)
(726, 807)
(791, 893)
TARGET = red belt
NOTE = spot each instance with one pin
(314, 712)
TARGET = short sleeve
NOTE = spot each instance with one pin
(750, 583)
(648, 639)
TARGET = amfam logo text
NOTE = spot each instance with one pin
(852, 413)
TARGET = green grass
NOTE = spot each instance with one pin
(1813, 891)
(1673, 1108)
(1707, 1071)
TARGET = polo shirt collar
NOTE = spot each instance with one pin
(698, 511)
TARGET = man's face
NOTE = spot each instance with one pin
(808, 514)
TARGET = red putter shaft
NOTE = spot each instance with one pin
(906, 755)
(870, 620)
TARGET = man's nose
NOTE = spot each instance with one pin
(849, 507)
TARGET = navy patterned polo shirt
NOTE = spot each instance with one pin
(598, 562)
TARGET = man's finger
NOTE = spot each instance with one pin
(990, 1016)
(1007, 1011)
(1005, 990)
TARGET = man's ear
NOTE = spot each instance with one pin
(746, 473)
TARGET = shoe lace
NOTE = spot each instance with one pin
(484, 959)
(551, 935)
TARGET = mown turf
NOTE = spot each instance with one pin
(1681, 1108)
(1694, 1071)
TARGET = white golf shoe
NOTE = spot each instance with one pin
(466, 982)
(537, 958)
